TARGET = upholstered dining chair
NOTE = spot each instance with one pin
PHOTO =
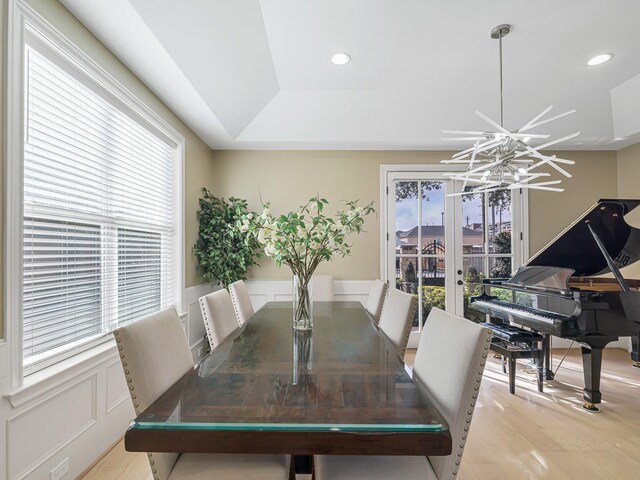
(462, 346)
(219, 316)
(322, 288)
(376, 299)
(396, 318)
(155, 353)
(241, 301)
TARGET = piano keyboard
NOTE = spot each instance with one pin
(522, 311)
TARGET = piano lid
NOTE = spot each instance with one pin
(576, 248)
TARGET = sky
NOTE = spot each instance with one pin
(432, 208)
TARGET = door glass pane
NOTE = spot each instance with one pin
(473, 224)
(432, 211)
(499, 212)
(406, 210)
(473, 274)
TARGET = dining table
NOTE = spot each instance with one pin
(338, 389)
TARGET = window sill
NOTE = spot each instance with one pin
(41, 383)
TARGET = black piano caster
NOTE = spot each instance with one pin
(590, 407)
(549, 375)
(636, 364)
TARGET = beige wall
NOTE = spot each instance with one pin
(594, 177)
(629, 187)
(287, 178)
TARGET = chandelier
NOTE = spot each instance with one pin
(506, 160)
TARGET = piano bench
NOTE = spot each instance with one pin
(514, 343)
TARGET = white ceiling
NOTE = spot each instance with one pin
(257, 74)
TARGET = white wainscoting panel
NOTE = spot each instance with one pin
(116, 387)
(40, 431)
(263, 291)
(78, 412)
(4, 360)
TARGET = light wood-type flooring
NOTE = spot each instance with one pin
(528, 435)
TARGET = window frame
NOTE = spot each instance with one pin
(21, 18)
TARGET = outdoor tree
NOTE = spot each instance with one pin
(502, 266)
(409, 190)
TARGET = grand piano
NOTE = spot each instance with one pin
(555, 292)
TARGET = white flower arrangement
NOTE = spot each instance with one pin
(305, 238)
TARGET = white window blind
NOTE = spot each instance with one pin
(99, 211)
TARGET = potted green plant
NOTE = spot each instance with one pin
(223, 251)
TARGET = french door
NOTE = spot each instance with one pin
(440, 247)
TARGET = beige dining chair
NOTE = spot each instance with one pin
(461, 346)
(322, 288)
(154, 353)
(241, 301)
(397, 315)
(219, 316)
(376, 299)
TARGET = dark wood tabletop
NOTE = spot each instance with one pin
(340, 389)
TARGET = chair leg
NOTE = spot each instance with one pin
(512, 375)
(504, 364)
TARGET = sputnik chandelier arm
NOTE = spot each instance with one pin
(503, 160)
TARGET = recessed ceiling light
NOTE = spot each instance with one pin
(341, 59)
(598, 59)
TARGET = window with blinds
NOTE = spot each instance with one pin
(99, 236)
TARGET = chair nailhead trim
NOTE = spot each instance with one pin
(236, 308)
(206, 324)
(472, 404)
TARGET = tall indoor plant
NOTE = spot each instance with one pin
(302, 240)
(223, 251)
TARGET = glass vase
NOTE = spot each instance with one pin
(302, 303)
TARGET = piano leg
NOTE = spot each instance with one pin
(635, 350)
(592, 366)
(546, 348)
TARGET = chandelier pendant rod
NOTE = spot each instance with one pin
(502, 159)
(501, 90)
(497, 33)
